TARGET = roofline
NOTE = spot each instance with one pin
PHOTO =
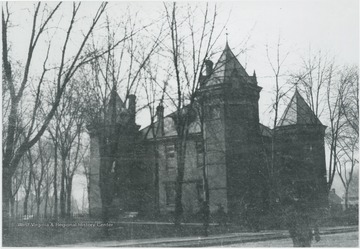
(172, 137)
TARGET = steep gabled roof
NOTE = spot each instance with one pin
(298, 112)
(115, 106)
(114, 97)
(227, 67)
(265, 131)
(169, 128)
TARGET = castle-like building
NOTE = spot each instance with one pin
(242, 156)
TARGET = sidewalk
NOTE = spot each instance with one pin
(215, 240)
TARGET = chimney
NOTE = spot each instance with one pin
(160, 119)
(209, 67)
(132, 107)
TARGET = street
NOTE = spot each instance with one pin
(350, 239)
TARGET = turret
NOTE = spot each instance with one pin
(299, 144)
(230, 98)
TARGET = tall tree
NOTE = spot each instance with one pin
(55, 140)
(155, 94)
(39, 172)
(68, 127)
(68, 64)
(18, 180)
(190, 45)
(29, 179)
(346, 156)
(75, 159)
(280, 92)
(110, 73)
(316, 80)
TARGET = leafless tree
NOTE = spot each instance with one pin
(86, 173)
(14, 150)
(110, 73)
(155, 94)
(31, 160)
(75, 160)
(55, 140)
(69, 123)
(280, 92)
(315, 73)
(39, 172)
(48, 180)
(189, 46)
(335, 92)
(350, 101)
(347, 163)
(316, 80)
(17, 182)
(348, 140)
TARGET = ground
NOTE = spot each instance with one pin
(144, 233)
(331, 240)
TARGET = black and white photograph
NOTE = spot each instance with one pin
(180, 123)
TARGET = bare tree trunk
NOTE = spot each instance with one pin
(27, 191)
(46, 204)
(346, 197)
(69, 189)
(51, 211)
(88, 196)
(31, 205)
(181, 149)
(46, 194)
(17, 205)
(62, 188)
(6, 181)
(206, 207)
(55, 173)
(12, 209)
(38, 202)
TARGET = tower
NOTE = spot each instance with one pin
(232, 134)
(114, 168)
(300, 155)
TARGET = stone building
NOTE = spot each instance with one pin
(235, 145)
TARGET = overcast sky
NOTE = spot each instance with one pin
(304, 27)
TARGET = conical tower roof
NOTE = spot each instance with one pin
(115, 100)
(298, 112)
(115, 106)
(227, 67)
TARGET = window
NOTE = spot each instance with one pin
(170, 156)
(170, 150)
(170, 193)
(213, 112)
(199, 154)
(200, 192)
